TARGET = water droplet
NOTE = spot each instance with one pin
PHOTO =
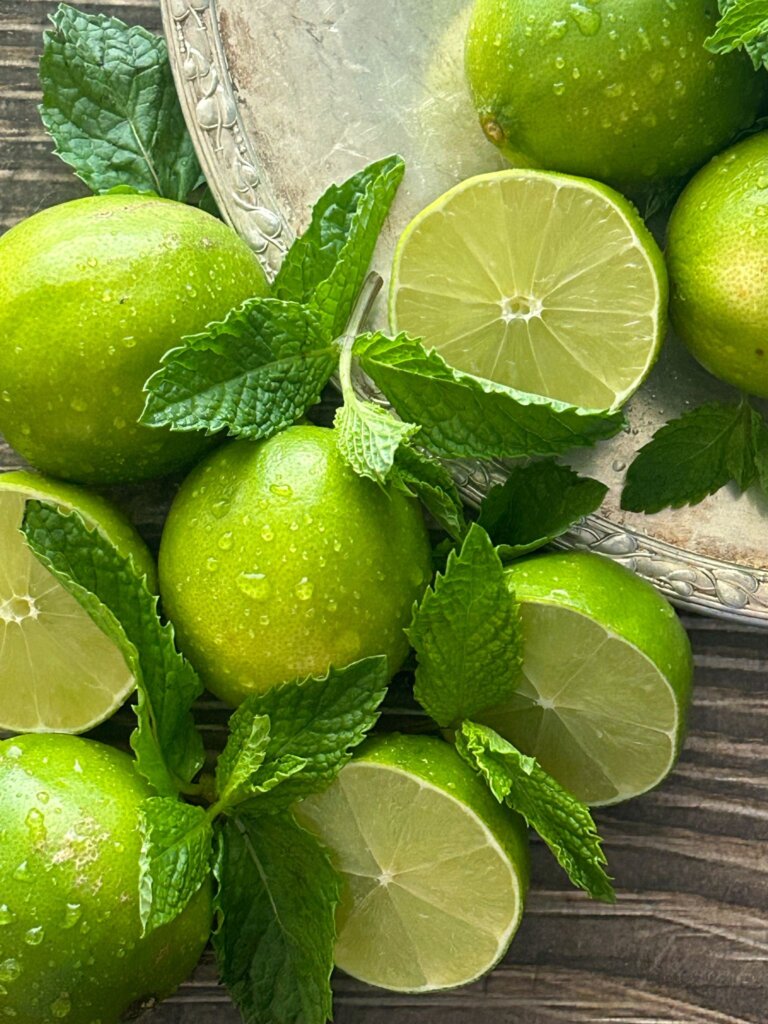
(656, 72)
(264, 620)
(119, 423)
(557, 29)
(266, 533)
(78, 405)
(34, 936)
(6, 914)
(304, 589)
(211, 564)
(558, 88)
(72, 915)
(645, 42)
(332, 606)
(5, 395)
(10, 969)
(255, 585)
(62, 1006)
(336, 544)
(220, 508)
(35, 822)
(560, 63)
(614, 90)
(281, 490)
(588, 20)
(226, 541)
(762, 181)
(21, 874)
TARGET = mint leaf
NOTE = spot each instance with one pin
(175, 862)
(744, 24)
(760, 446)
(328, 264)
(465, 417)
(537, 503)
(314, 725)
(168, 748)
(466, 633)
(422, 476)
(563, 822)
(276, 906)
(692, 457)
(110, 103)
(254, 373)
(237, 771)
(368, 437)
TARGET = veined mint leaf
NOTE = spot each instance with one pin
(276, 905)
(563, 822)
(692, 457)
(237, 772)
(314, 725)
(168, 747)
(537, 503)
(110, 103)
(254, 373)
(466, 633)
(329, 262)
(176, 858)
(424, 477)
(744, 23)
(368, 437)
(465, 417)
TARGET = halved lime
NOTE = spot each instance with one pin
(607, 673)
(542, 282)
(435, 870)
(58, 671)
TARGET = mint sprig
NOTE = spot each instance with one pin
(536, 504)
(110, 104)
(694, 456)
(168, 748)
(423, 476)
(563, 822)
(743, 25)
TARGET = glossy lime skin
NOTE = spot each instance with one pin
(70, 933)
(96, 512)
(92, 295)
(717, 253)
(619, 90)
(277, 561)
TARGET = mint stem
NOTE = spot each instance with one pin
(362, 310)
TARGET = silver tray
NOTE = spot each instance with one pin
(285, 96)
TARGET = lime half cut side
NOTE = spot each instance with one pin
(606, 677)
(542, 282)
(58, 671)
(434, 869)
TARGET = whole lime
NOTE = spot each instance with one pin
(92, 294)
(70, 932)
(277, 561)
(619, 90)
(717, 254)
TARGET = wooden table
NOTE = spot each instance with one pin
(687, 942)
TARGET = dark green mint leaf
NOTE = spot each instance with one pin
(110, 103)
(237, 772)
(466, 633)
(692, 457)
(168, 748)
(329, 262)
(425, 477)
(464, 417)
(537, 503)
(744, 24)
(254, 374)
(276, 905)
(176, 858)
(563, 822)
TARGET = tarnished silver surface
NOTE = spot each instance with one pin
(285, 96)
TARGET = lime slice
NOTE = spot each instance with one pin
(607, 676)
(435, 870)
(58, 671)
(542, 282)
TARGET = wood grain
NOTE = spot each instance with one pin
(687, 942)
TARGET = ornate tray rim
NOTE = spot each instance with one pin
(211, 107)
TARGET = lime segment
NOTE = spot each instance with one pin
(58, 671)
(538, 281)
(434, 870)
(607, 675)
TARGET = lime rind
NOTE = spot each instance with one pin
(542, 282)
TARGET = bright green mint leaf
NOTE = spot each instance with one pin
(563, 822)
(110, 103)
(315, 723)
(744, 23)
(176, 858)
(168, 747)
(276, 907)
(238, 775)
(424, 477)
(253, 374)
(462, 416)
(537, 503)
(692, 457)
(329, 262)
(466, 633)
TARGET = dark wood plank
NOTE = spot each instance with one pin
(688, 941)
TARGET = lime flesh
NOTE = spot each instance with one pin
(434, 870)
(58, 671)
(606, 677)
(541, 282)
